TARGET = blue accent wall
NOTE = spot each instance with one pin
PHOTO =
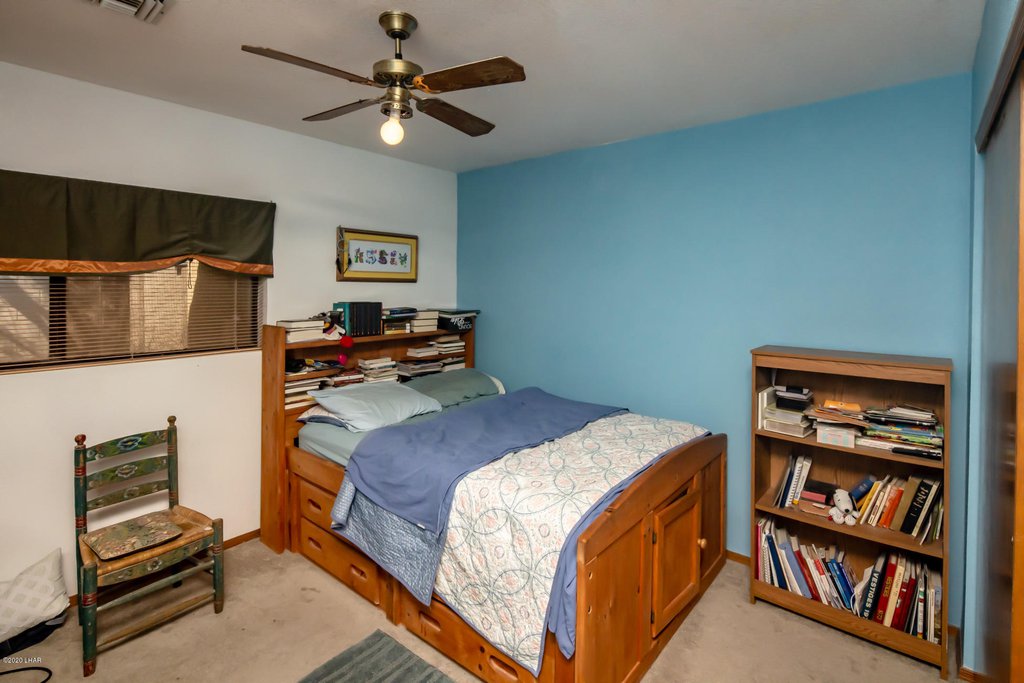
(642, 273)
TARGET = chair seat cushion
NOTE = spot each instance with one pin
(194, 526)
(133, 535)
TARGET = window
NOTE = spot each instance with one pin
(52, 320)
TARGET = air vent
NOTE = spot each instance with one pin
(148, 11)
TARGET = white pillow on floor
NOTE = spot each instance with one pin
(35, 595)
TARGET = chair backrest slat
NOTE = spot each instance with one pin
(103, 481)
(125, 444)
(127, 493)
(130, 470)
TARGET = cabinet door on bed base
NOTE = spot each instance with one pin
(613, 604)
(712, 519)
(675, 558)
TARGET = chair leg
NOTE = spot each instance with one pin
(218, 565)
(81, 614)
(87, 605)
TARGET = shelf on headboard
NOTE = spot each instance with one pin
(367, 340)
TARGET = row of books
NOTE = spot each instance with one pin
(896, 592)
(912, 506)
(417, 368)
(298, 384)
(447, 345)
(365, 318)
(797, 490)
(405, 320)
(905, 595)
(805, 569)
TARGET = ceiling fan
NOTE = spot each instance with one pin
(399, 78)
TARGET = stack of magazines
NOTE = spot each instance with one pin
(903, 429)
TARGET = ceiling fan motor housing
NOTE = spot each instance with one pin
(396, 99)
(395, 71)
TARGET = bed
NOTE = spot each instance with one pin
(640, 563)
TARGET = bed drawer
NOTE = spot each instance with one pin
(442, 628)
(314, 503)
(341, 560)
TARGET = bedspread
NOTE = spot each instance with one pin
(511, 519)
(411, 470)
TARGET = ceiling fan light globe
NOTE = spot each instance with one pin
(391, 132)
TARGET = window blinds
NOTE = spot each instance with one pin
(52, 320)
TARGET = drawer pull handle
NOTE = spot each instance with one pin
(315, 505)
(429, 622)
(313, 542)
(357, 572)
(702, 542)
(502, 668)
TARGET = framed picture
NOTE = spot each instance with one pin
(369, 256)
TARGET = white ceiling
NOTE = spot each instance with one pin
(597, 70)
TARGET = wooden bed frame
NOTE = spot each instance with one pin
(641, 566)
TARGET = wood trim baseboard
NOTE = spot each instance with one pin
(230, 543)
(242, 538)
(736, 557)
(966, 674)
(1001, 82)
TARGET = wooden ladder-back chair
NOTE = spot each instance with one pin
(155, 551)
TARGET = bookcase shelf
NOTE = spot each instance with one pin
(372, 339)
(870, 380)
(881, 454)
(875, 534)
(894, 639)
(315, 374)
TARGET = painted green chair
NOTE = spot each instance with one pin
(142, 555)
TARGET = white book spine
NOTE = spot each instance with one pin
(803, 478)
(797, 472)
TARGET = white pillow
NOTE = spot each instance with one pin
(34, 596)
(363, 407)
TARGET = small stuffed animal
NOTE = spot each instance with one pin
(843, 510)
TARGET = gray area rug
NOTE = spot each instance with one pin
(378, 658)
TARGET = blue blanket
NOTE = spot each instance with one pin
(411, 470)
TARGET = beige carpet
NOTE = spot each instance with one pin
(284, 617)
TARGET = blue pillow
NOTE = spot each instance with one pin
(457, 386)
(363, 407)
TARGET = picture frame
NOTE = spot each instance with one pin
(373, 256)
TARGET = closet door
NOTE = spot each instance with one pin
(1001, 506)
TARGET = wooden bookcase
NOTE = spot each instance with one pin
(279, 426)
(871, 380)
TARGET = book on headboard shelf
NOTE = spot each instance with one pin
(360, 318)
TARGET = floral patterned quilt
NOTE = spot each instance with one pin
(510, 519)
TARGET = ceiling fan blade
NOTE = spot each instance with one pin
(454, 117)
(308, 64)
(493, 71)
(345, 109)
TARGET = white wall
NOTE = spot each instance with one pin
(54, 125)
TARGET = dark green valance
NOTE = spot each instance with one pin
(50, 224)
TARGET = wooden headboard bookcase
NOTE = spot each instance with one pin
(641, 565)
(280, 427)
